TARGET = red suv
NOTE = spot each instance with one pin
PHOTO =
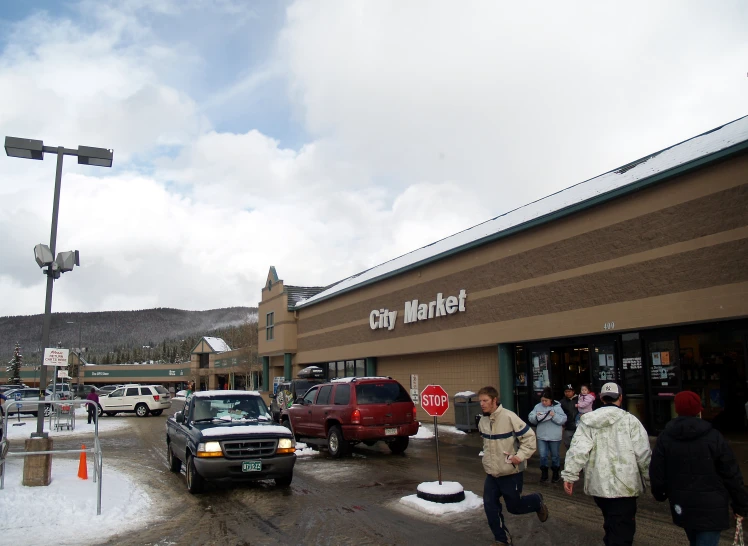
(347, 411)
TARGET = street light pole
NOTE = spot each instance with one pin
(48, 301)
(35, 149)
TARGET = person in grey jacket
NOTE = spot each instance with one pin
(550, 418)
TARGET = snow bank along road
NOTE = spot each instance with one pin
(347, 501)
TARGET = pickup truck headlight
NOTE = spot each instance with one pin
(209, 449)
(285, 445)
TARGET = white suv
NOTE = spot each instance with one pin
(138, 399)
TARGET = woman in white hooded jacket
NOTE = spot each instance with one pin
(549, 417)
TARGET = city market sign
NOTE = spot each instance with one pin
(416, 311)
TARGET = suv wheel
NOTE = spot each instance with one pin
(195, 481)
(175, 465)
(399, 444)
(141, 410)
(336, 444)
(99, 411)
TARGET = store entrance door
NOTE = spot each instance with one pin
(569, 365)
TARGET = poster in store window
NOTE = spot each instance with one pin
(602, 360)
(611, 361)
(656, 359)
(665, 358)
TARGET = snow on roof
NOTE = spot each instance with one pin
(218, 392)
(660, 162)
(217, 344)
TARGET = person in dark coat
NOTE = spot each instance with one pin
(90, 407)
(694, 468)
(569, 405)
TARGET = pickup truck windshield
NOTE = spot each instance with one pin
(230, 408)
(381, 393)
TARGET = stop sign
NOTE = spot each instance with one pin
(434, 400)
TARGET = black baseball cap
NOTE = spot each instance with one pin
(569, 387)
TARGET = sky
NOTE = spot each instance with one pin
(324, 138)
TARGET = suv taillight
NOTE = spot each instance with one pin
(412, 416)
(356, 417)
(155, 397)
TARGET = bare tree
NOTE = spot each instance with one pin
(248, 361)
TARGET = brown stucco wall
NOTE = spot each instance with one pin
(455, 371)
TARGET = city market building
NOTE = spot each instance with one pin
(639, 276)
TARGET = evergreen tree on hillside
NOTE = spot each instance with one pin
(14, 366)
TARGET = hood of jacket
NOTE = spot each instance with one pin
(603, 417)
(688, 428)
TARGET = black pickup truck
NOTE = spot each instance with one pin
(228, 435)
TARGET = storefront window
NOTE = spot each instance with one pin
(664, 371)
(360, 368)
(540, 372)
(604, 367)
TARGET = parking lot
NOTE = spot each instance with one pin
(354, 500)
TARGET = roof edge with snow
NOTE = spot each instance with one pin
(709, 147)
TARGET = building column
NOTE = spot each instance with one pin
(371, 366)
(287, 366)
(265, 373)
(506, 376)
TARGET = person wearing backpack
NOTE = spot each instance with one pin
(694, 468)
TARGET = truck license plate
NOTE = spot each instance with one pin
(390, 432)
(251, 466)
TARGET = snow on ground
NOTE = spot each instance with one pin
(471, 502)
(303, 450)
(65, 511)
(425, 432)
(82, 428)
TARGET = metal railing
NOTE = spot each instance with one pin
(96, 450)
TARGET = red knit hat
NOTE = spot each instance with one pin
(688, 404)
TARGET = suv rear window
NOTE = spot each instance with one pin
(161, 390)
(381, 393)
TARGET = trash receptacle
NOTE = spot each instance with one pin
(466, 410)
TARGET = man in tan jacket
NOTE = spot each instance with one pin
(507, 443)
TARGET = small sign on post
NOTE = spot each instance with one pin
(62, 374)
(435, 402)
(56, 357)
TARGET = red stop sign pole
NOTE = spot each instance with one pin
(435, 402)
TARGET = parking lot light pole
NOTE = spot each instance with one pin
(35, 149)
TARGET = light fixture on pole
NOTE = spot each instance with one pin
(26, 148)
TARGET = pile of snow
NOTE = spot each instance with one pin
(465, 394)
(471, 502)
(65, 511)
(303, 450)
(426, 432)
(436, 488)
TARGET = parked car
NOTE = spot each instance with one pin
(106, 390)
(80, 390)
(347, 411)
(62, 389)
(138, 399)
(228, 435)
(287, 392)
(29, 399)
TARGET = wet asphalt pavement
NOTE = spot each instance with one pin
(350, 501)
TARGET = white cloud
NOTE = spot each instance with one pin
(426, 118)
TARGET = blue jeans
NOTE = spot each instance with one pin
(544, 446)
(509, 487)
(703, 538)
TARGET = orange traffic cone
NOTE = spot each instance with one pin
(82, 465)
